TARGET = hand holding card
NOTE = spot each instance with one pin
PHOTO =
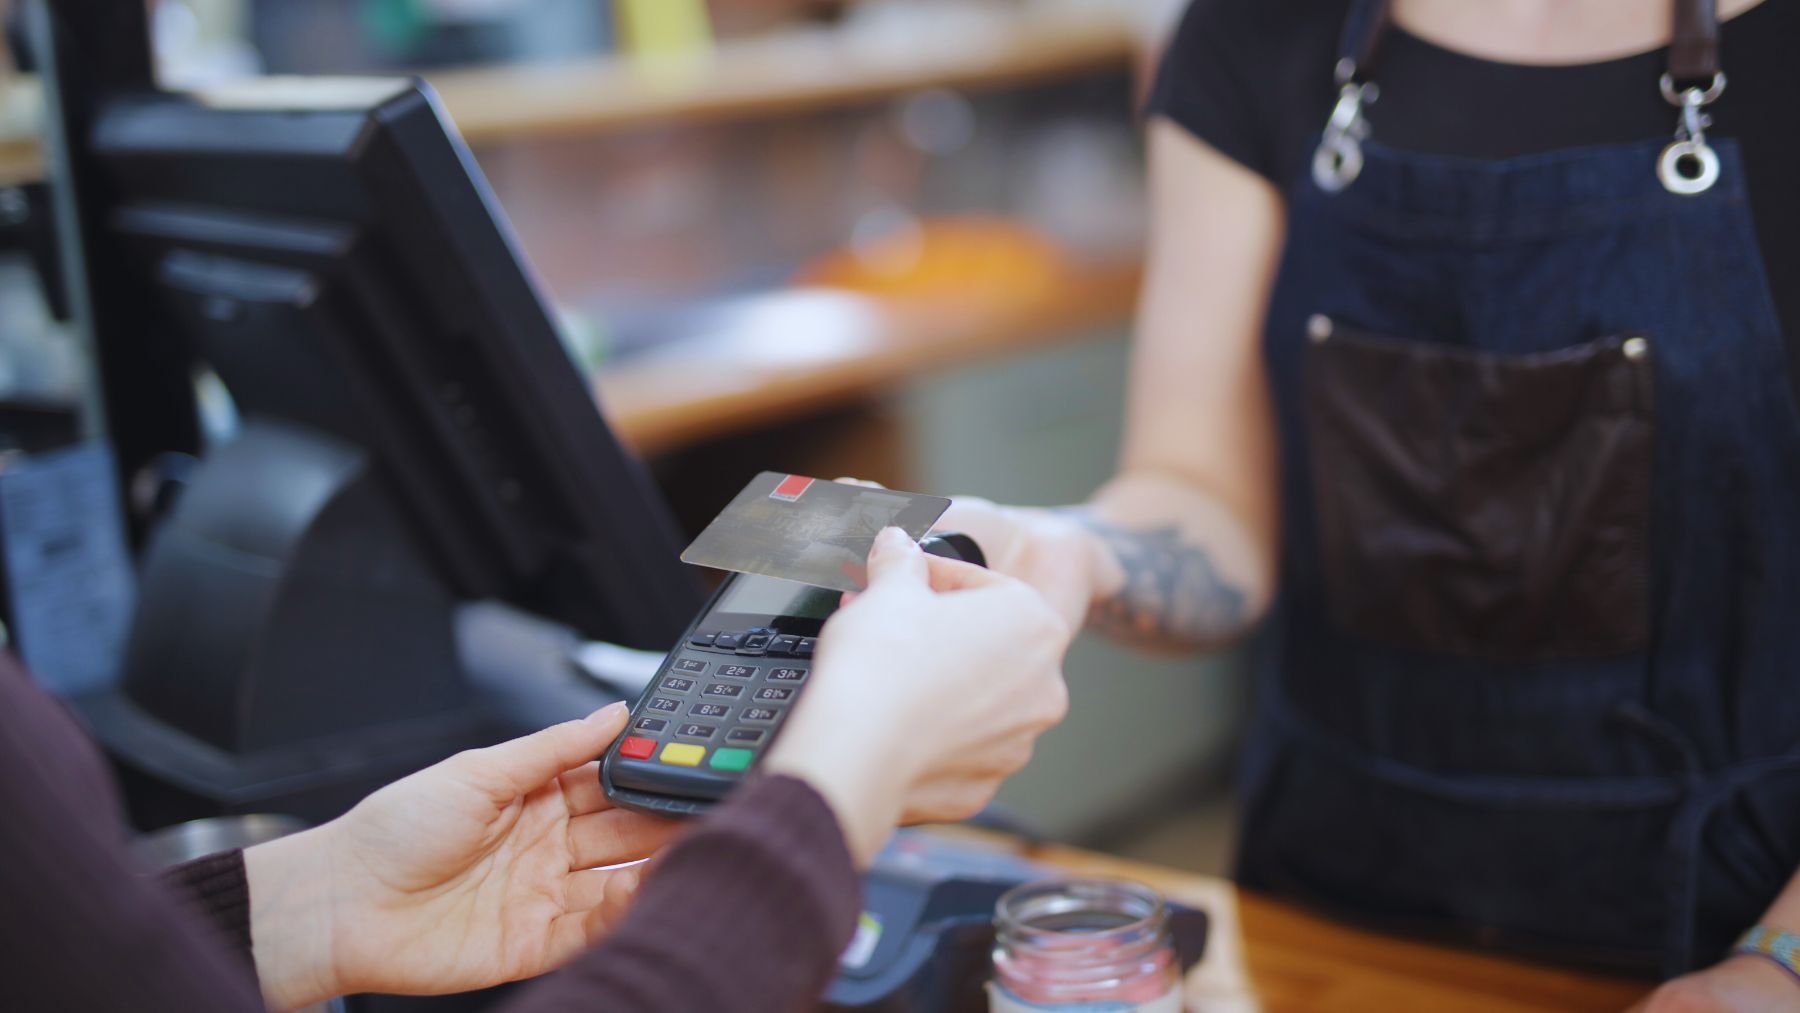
(723, 695)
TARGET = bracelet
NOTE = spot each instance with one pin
(1780, 948)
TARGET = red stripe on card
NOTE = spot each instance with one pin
(791, 487)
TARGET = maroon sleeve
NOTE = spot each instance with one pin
(218, 889)
(83, 928)
(746, 915)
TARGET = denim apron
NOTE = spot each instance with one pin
(1532, 679)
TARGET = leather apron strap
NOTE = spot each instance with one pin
(1694, 53)
(1360, 43)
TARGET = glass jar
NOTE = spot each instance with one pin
(1084, 944)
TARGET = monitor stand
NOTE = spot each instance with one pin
(292, 648)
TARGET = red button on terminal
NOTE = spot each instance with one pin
(637, 748)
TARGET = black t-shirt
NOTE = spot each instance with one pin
(1253, 79)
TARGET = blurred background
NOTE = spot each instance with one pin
(894, 239)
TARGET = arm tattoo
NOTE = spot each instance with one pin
(1172, 595)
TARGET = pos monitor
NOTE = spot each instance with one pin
(413, 435)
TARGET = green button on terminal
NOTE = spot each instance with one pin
(732, 759)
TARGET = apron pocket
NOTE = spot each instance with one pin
(1478, 504)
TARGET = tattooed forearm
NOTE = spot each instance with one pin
(1172, 593)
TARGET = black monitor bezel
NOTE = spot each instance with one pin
(428, 244)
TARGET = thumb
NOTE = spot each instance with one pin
(896, 560)
(523, 765)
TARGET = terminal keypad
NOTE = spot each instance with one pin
(720, 701)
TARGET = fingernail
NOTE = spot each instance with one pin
(894, 538)
(617, 706)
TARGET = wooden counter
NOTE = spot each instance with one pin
(1270, 956)
(804, 351)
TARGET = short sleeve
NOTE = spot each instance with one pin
(1247, 77)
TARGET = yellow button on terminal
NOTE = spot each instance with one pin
(680, 754)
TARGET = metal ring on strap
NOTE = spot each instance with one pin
(1689, 147)
(1336, 163)
(1338, 160)
(1669, 167)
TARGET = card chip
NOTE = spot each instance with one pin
(790, 488)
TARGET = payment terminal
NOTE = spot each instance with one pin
(720, 697)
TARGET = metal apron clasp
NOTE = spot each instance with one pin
(1689, 148)
(1339, 158)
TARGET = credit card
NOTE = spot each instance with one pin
(806, 530)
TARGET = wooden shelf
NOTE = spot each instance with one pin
(789, 71)
(21, 105)
(20, 162)
(785, 72)
(774, 367)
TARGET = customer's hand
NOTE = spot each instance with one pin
(475, 871)
(1739, 984)
(929, 689)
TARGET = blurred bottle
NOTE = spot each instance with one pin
(202, 42)
(664, 32)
